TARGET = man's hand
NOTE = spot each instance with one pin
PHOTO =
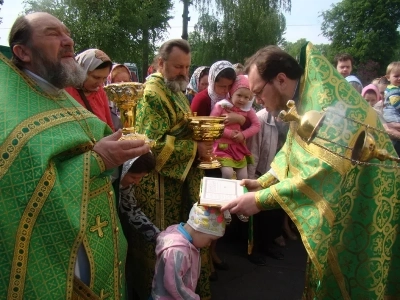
(115, 152)
(234, 118)
(204, 149)
(244, 205)
(252, 185)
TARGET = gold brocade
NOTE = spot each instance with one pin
(22, 133)
(323, 207)
(165, 152)
(26, 226)
(347, 214)
(83, 225)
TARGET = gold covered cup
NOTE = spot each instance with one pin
(207, 129)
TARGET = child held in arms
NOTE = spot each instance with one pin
(231, 149)
(178, 256)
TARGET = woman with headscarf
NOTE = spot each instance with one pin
(91, 94)
(220, 79)
(198, 82)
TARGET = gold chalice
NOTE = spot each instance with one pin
(126, 96)
(207, 129)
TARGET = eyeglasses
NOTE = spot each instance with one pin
(258, 94)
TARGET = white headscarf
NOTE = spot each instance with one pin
(215, 69)
(92, 58)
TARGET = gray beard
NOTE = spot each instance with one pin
(59, 74)
(177, 85)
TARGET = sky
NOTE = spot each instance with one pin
(302, 22)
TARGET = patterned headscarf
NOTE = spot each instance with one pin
(92, 58)
(215, 69)
(195, 79)
(207, 220)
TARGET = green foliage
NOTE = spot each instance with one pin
(294, 48)
(121, 28)
(367, 29)
(239, 29)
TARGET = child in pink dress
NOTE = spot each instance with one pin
(231, 150)
(178, 253)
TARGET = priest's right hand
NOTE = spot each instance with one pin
(114, 152)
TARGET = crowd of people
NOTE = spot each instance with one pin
(88, 215)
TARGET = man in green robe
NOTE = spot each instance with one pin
(59, 230)
(167, 194)
(345, 207)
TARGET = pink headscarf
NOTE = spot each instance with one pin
(371, 87)
(241, 82)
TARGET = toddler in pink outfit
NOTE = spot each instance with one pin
(178, 256)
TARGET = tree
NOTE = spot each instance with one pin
(126, 30)
(294, 48)
(367, 29)
(1, 3)
(238, 29)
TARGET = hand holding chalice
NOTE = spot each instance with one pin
(206, 129)
(126, 96)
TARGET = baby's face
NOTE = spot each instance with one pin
(394, 77)
(201, 240)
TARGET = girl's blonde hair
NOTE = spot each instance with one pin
(393, 65)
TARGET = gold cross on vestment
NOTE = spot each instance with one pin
(102, 295)
(98, 227)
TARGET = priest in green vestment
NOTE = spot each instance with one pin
(346, 208)
(167, 194)
(59, 230)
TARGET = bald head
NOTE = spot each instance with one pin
(41, 43)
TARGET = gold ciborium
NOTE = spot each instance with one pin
(125, 95)
(207, 129)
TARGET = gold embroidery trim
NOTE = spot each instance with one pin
(190, 162)
(83, 224)
(30, 82)
(162, 203)
(82, 291)
(338, 163)
(91, 260)
(334, 265)
(24, 131)
(323, 206)
(114, 224)
(157, 89)
(104, 189)
(258, 202)
(100, 161)
(19, 263)
(159, 199)
(303, 236)
(165, 153)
